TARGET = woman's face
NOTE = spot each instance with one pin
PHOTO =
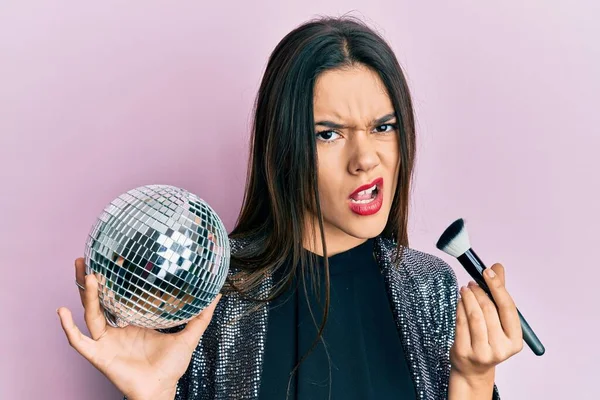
(357, 155)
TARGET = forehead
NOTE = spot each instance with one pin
(351, 94)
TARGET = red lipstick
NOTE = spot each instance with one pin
(363, 206)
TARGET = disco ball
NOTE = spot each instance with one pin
(160, 254)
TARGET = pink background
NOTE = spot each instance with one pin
(101, 97)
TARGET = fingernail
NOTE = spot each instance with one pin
(490, 273)
(472, 284)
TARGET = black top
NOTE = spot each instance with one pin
(367, 358)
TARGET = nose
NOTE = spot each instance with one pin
(364, 155)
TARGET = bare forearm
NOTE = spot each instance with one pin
(473, 388)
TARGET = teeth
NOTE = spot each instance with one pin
(361, 201)
(368, 191)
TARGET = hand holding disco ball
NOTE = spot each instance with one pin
(157, 257)
(160, 255)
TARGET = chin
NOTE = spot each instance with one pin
(347, 225)
(363, 228)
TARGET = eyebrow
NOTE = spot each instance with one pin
(377, 122)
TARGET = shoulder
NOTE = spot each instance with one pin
(238, 243)
(413, 258)
(424, 267)
(432, 264)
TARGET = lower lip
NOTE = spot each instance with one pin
(368, 208)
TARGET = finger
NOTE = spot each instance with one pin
(462, 338)
(80, 275)
(196, 327)
(507, 311)
(476, 320)
(83, 344)
(496, 335)
(500, 271)
(94, 317)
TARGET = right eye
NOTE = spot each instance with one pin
(327, 136)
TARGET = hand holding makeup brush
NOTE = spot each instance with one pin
(486, 334)
(489, 326)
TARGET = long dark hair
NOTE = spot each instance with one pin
(282, 177)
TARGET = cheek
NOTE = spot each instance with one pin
(331, 184)
(390, 158)
(329, 187)
(328, 171)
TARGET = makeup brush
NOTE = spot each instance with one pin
(455, 241)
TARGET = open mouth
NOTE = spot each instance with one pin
(365, 196)
(367, 199)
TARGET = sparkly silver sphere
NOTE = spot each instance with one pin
(160, 254)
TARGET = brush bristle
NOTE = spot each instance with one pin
(455, 239)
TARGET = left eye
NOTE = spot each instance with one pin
(385, 128)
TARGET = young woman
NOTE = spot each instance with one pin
(325, 298)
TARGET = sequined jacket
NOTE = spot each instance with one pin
(423, 292)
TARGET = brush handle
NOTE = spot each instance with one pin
(530, 337)
(475, 268)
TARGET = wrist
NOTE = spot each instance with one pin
(155, 394)
(475, 379)
(166, 394)
(471, 386)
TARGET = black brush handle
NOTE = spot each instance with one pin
(475, 267)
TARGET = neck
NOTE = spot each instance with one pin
(336, 240)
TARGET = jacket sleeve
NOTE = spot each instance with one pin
(445, 316)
